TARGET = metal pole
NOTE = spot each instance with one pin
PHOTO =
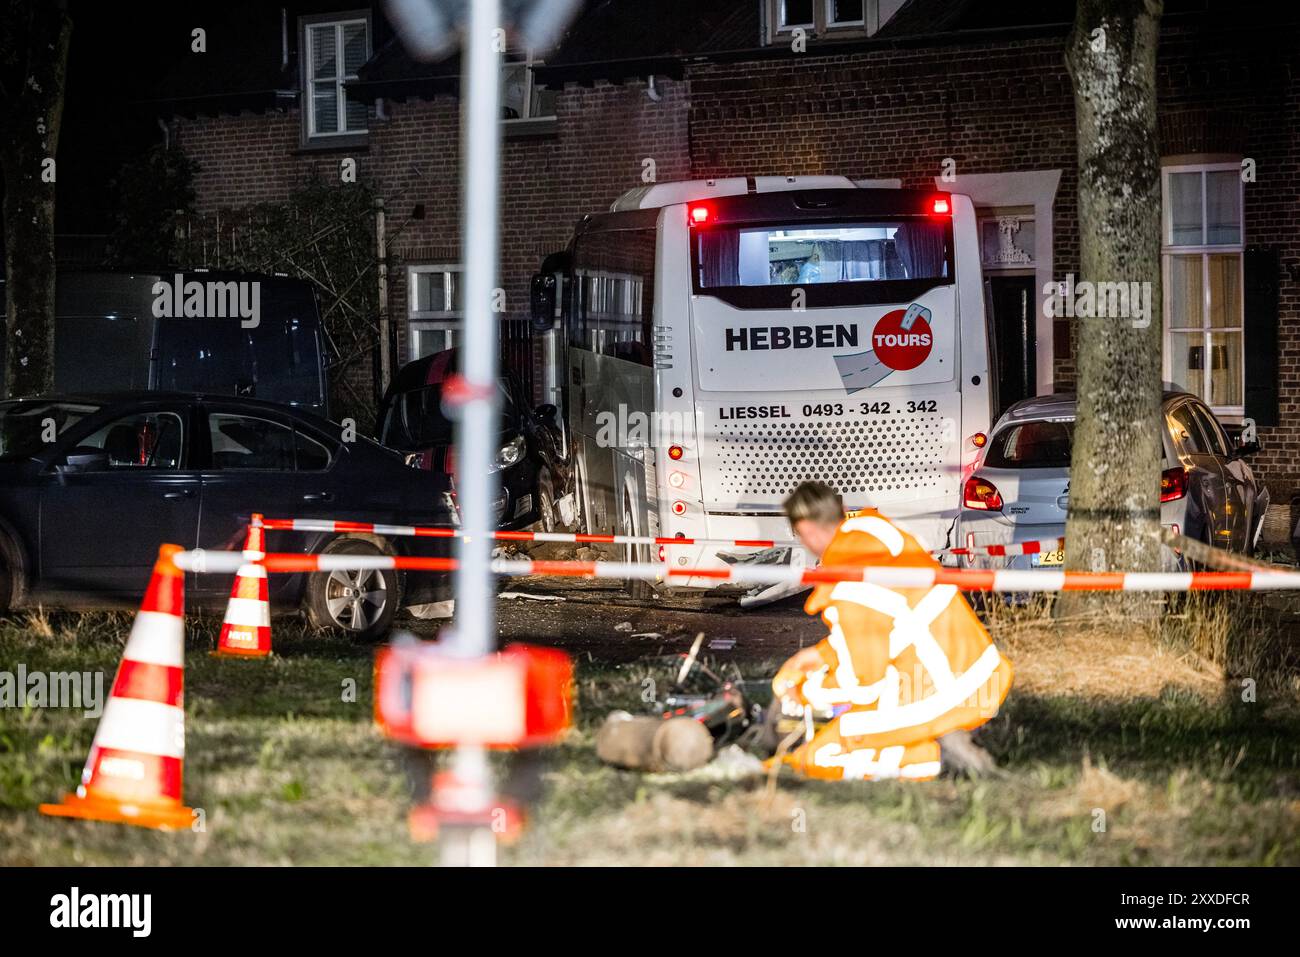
(477, 484)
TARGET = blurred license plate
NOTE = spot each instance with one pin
(1056, 557)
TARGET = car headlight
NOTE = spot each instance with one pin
(510, 453)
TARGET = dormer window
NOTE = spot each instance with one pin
(828, 18)
(334, 47)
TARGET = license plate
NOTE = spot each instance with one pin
(1056, 557)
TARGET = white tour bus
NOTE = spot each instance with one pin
(721, 341)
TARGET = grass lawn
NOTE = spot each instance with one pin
(1116, 749)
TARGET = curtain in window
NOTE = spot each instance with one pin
(720, 257)
(863, 259)
(921, 248)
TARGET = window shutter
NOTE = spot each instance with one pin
(1262, 267)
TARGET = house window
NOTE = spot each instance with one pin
(435, 312)
(1202, 246)
(845, 13)
(834, 17)
(334, 51)
(796, 13)
(522, 98)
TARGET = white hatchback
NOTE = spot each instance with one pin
(1019, 491)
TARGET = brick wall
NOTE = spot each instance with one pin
(1010, 107)
(594, 152)
(991, 107)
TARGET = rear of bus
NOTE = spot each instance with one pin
(830, 334)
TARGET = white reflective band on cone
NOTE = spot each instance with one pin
(250, 612)
(150, 727)
(156, 639)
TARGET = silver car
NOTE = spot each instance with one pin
(1019, 490)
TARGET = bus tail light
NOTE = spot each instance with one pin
(979, 440)
(940, 206)
(1173, 484)
(675, 452)
(700, 215)
(981, 494)
(679, 507)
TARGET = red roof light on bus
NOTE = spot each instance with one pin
(700, 215)
(940, 206)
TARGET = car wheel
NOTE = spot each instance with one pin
(7, 583)
(546, 521)
(359, 604)
(636, 588)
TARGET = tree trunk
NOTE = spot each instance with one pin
(33, 67)
(1114, 512)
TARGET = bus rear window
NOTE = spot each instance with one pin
(811, 254)
(1031, 445)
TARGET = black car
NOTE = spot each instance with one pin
(91, 485)
(412, 420)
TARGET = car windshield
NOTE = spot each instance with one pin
(1031, 445)
(416, 419)
(28, 427)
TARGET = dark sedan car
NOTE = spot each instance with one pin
(91, 485)
(412, 421)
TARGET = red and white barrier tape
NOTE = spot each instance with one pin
(1019, 548)
(437, 531)
(997, 580)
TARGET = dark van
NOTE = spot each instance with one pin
(130, 331)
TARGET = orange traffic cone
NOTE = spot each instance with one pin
(133, 774)
(246, 629)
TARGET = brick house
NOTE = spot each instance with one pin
(969, 95)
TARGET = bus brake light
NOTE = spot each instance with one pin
(679, 508)
(699, 215)
(941, 206)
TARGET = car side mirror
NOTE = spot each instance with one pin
(1244, 449)
(541, 300)
(546, 413)
(83, 460)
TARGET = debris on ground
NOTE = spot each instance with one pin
(732, 763)
(529, 596)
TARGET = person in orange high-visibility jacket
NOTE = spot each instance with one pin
(900, 669)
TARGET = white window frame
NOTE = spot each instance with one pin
(1205, 250)
(432, 320)
(340, 79)
(822, 23)
(530, 63)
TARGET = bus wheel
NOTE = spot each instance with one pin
(637, 588)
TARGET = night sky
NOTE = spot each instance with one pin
(118, 54)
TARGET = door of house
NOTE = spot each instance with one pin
(1013, 302)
